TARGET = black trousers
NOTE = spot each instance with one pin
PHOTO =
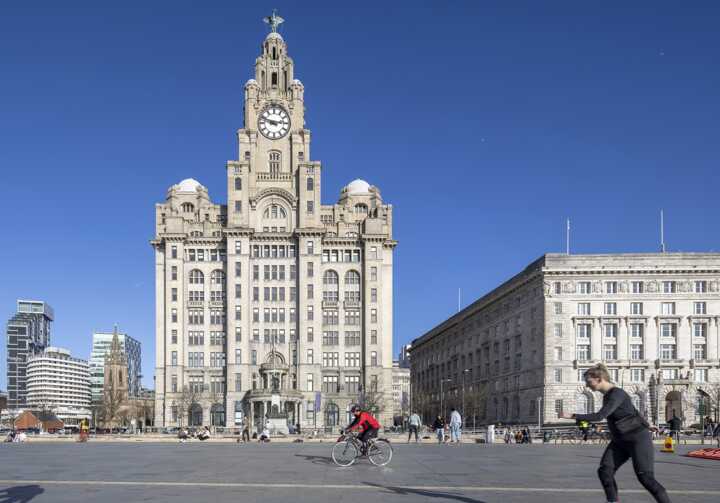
(245, 435)
(638, 447)
(413, 429)
(367, 434)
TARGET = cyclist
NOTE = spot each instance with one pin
(366, 423)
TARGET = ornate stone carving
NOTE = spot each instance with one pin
(624, 287)
(569, 287)
(597, 286)
(652, 286)
(714, 286)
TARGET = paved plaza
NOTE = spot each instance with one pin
(212, 473)
(197, 472)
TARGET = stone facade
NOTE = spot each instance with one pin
(517, 354)
(272, 298)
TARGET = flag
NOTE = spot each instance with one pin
(317, 401)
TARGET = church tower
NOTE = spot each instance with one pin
(116, 371)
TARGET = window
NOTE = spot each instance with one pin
(310, 291)
(173, 252)
(238, 334)
(373, 295)
(611, 287)
(669, 287)
(309, 387)
(253, 357)
(173, 274)
(584, 309)
(667, 308)
(583, 352)
(373, 359)
(668, 330)
(331, 338)
(668, 351)
(670, 374)
(174, 386)
(374, 383)
(636, 352)
(352, 338)
(700, 330)
(613, 375)
(558, 407)
(557, 375)
(373, 316)
(611, 330)
(636, 308)
(173, 358)
(310, 248)
(196, 317)
(637, 375)
(584, 331)
(331, 359)
(238, 313)
(274, 155)
(637, 287)
(373, 336)
(173, 337)
(701, 375)
(557, 330)
(637, 330)
(611, 308)
(238, 382)
(558, 307)
(352, 384)
(558, 353)
(352, 317)
(196, 338)
(373, 273)
(238, 206)
(557, 288)
(173, 315)
(310, 334)
(610, 351)
(585, 287)
(700, 308)
(699, 351)
(700, 286)
(352, 359)
(309, 357)
(330, 384)
(310, 207)
(310, 313)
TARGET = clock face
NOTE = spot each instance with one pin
(274, 122)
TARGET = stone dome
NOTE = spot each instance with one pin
(357, 186)
(188, 185)
(251, 82)
(297, 82)
(274, 35)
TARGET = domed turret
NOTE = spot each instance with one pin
(357, 187)
(189, 185)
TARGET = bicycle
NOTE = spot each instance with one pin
(349, 448)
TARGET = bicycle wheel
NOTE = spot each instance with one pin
(380, 452)
(344, 453)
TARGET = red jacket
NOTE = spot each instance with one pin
(364, 421)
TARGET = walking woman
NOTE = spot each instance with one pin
(630, 436)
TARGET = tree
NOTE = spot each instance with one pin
(114, 405)
(372, 400)
(712, 400)
(188, 396)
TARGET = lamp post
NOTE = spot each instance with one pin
(442, 409)
(463, 395)
(539, 409)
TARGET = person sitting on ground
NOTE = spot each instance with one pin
(264, 435)
(204, 433)
(183, 435)
(365, 423)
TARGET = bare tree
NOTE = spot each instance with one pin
(712, 400)
(372, 400)
(188, 396)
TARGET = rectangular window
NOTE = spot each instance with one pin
(610, 351)
(238, 334)
(173, 337)
(637, 287)
(238, 356)
(637, 352)
(700, 286)
(557, 330)
(611, 287)
(173, 358)
(584, 331)
(558, 407)
(238, 313)
(584, 309)
(310, 359)
(636, 308)
(557, 376)
(699, 352)
(637, 375)
(373, 295)
(174, 386)
(310, 248)
(700, 308)
(583, 352)
(310, 313)
(310, 207)
(611, 308)
(238, 206)
(352, 359)
(373, 273)
(557, 288)
(669, 287)
(700, 330)
(310, 334)
(558, 353)
(173, 274)
(611, 330)
(373, 336)
(330, 384)
(701, 375)
(173, 315)
(637, 330)
(238, 183)
(173, 294)
(585, 287)
(667, 308)
(668, 352)
(352, 384)
(373, 316)
(309, 386)
(668, 330)
(373, 359)
(238, 382)
(253, 357)
(558, 307)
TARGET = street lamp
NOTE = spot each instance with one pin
(463, 394)
(442, 409)
(539, 409)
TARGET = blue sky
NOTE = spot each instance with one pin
(485, 124)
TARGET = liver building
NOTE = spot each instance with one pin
(273, 306)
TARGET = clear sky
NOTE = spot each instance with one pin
(485, 124)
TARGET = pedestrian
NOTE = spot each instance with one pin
(630, 436)
(455, 426)
(246, 429)
(675, 425)
(413, 426)
(439, 427)
(716, 434)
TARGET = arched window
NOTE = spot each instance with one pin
(332, 414)
(330, 286)
(195, 415)
(274, 212)
(361, 209)
(274, 79)
(310, 183)
(217, 415)
(274, 53)
(187, 207)
(197, 277)
(217, 277)
(352, 286)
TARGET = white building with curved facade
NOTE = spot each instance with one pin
(59, 382)
(273, 305)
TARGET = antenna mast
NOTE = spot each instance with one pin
(662, 232)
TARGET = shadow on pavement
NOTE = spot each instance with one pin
(316, 460)
(427, 493)
(20, 494)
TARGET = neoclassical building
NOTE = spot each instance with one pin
(273, 306)
(518, 354)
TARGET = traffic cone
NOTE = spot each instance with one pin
(669, 445)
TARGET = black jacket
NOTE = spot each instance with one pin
(439, 424)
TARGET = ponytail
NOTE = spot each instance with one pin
(599, 371)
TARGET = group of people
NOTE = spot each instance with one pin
(712, 430)
(520, 436)
(16, 436)
(185, 434)
(452, 427)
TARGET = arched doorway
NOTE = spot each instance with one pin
(673, 405)
(195, 415)
(332, 414)
(217, 415)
